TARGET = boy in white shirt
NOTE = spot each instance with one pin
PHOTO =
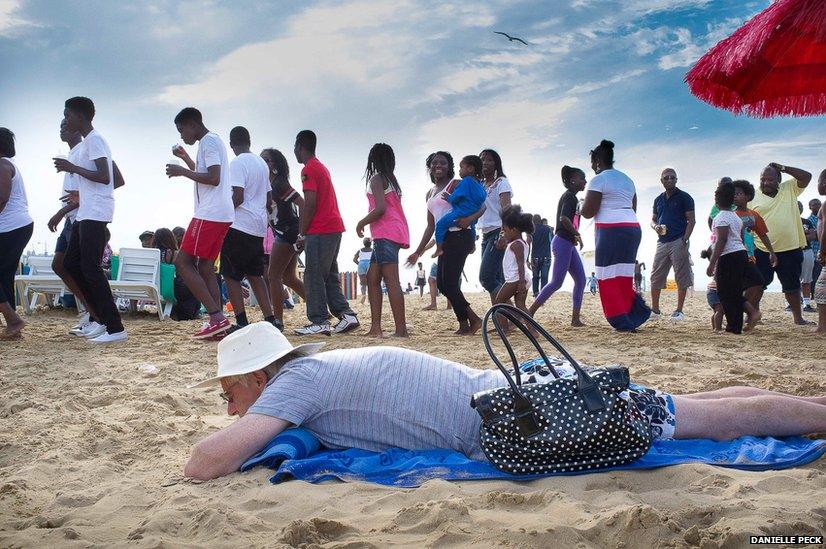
(96, 186)
(214, 213)
(242, 254)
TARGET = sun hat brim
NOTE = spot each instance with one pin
(305, 349)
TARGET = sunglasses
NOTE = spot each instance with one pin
(669, 177)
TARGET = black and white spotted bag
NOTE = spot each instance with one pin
(564, 426)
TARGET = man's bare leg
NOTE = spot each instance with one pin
(730, 418)
(743, 391)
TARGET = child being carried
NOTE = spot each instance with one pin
(467, 199)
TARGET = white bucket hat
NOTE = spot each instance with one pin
(252, 348)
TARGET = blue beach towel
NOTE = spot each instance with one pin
(296, 453)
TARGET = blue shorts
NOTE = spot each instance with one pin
(385, 252)
(434, 271)
(63, 240)
(712, 298)
(364, 266)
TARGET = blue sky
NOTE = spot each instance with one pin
(419, 75)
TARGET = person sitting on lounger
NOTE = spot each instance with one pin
(375, 398)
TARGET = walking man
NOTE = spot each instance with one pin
(214, 213)
(540, 253)
(320, 235)
(673, 220)
(96, 194)
(242, 254)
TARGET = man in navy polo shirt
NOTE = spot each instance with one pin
(673, 220)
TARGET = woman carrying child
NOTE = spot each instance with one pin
(388, 227)
(459, 241)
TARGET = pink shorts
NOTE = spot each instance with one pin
(204, 238)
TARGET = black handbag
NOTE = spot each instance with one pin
(563, 426)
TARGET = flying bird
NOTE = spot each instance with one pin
(511, 38)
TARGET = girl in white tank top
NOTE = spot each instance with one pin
(518, 275)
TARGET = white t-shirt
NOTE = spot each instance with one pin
(492, 218)
(97, 201)
(213, 203)
(617, 197)
(734, 242)
(250, 172)
(16, 212)
(70, 181)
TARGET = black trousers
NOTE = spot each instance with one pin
(457, 246)
(12, 244)
(730, 270)
(82, 260)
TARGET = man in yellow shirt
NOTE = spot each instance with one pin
(776, 202)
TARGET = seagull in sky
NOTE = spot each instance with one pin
(511, 38)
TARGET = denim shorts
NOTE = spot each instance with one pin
(712, 297)
(364, 266)
(385, 251)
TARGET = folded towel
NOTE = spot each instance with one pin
(295, 454)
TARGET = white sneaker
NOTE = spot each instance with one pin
(78, 330)
(106, 337)
(93, 329)
(677, 316)
(346, 324)
(313, 329)
(655, 316)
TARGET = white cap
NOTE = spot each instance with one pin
(252, 348)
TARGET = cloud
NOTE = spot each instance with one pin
(690, 50)
(324, 51)
(588, 87)
(516, 128)
(12, 23)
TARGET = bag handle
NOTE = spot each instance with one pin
(587, 387)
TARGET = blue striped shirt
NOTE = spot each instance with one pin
(376, 398)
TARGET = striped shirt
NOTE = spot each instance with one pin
(377, 398)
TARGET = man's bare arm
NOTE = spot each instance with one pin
(222, 453)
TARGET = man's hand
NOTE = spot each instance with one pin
(174, 171)
(779, 167)
(821, 256)
(360, 229)
(63, 165)
(463, 222)
(578, 240)
(501, 243)
(180, 152)
(710, 271)
(773, 259)
(412, 259)
(55, 221)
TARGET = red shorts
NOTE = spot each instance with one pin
(204, 239)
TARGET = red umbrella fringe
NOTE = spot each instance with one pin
(785, 20)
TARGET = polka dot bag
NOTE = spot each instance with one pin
(564, 426)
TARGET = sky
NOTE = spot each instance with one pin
(420, 75)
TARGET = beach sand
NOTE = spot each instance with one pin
(92, 449)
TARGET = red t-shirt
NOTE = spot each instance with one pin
(327, 219)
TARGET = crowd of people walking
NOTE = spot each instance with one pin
(249, 219)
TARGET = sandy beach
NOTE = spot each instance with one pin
(92, 448)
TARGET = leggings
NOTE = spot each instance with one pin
(12, 244)
(729, 276)
(457, 247)
(566, 260)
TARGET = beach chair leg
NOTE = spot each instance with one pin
(167, 310)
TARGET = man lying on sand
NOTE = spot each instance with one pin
(376, 398)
